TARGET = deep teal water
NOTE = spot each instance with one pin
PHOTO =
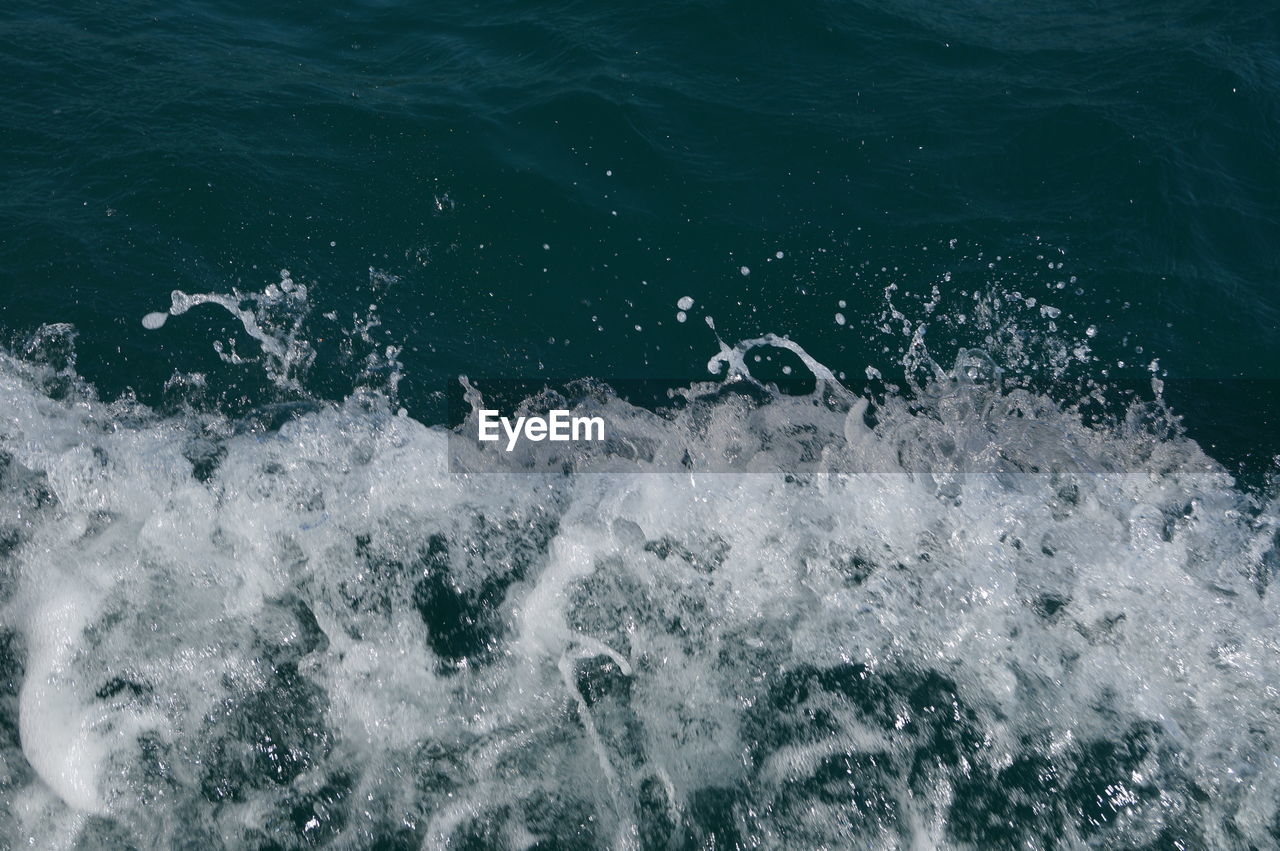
(205, 145)
(525, 191)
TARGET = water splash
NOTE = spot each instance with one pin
(323, 635)
(327, 634)
(273, 318)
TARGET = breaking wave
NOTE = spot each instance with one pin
(322, 629)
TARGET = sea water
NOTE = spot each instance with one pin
(936, 349)
(955, 614)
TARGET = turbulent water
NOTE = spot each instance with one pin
(936, 349)
(973, 619)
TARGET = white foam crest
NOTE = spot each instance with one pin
(329, 630)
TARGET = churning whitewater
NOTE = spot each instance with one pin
(955, 617)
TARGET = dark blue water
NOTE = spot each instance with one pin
(1087, 193)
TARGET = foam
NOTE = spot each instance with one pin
(324, 634)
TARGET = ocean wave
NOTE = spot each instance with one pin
(325, 626)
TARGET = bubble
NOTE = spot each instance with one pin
(152, 321)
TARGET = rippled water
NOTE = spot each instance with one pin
(937, 349)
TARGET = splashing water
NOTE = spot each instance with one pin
(273, 320)
(333, 635)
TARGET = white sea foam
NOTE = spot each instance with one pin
(230, 638)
